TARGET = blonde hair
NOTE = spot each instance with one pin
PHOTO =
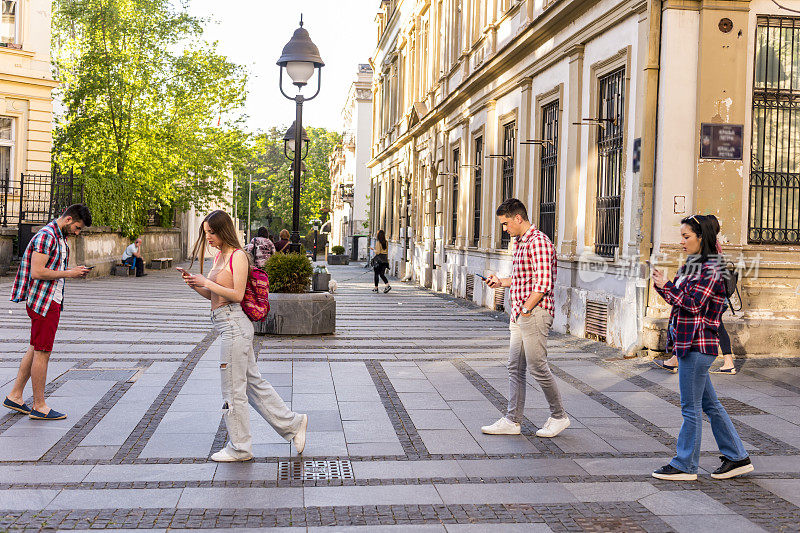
(222, 225)
(285, 234)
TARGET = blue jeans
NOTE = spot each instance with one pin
(698, 393)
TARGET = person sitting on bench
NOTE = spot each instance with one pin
(133, 257)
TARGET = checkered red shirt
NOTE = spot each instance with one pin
(38, 293)
(533, 270)
(697, 304)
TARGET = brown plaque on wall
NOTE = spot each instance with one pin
(721, 141)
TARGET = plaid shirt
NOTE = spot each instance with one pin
(38, 293)
(697, 304)
(533, 270)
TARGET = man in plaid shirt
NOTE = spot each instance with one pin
(40, 284)
(533, 273)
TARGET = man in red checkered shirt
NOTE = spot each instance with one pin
(533, 272)
(40, 284)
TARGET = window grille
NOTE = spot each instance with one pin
(390, 208)
(548, 162)
(476, 210)
(609, 162)
(509, 144)
(774, 203)
(454, 195)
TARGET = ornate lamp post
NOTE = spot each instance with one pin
(300, 58)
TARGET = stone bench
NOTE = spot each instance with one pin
(122, 269)
(160, 263)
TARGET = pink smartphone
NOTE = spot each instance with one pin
(181, 270)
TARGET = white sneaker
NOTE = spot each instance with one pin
(224, 456)
(553, 427)
(299, 440)
(504, 426)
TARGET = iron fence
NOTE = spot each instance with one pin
(509, 151)
(609, 163)
(774, 201)
(37, 198)
(548, 160)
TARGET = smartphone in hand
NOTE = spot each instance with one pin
(89, 267)
(484, 278)
(182, 271)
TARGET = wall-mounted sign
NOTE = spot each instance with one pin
(721, 141)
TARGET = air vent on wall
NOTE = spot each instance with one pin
(448, 284)
(500, 299)
(470, 286)
(596, 320)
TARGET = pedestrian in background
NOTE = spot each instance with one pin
(697, 296)
(727, 367)
(533, 272)
(381, 261)
(261, 247)
(241, 379)
(132, 256)
(40, 284)
(282, 246)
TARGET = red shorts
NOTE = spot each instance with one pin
(43, 328)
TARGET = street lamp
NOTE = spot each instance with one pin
(300, 58)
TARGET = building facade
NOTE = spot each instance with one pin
(350, 181)
(612, 120)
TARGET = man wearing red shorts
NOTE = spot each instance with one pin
(40, 284)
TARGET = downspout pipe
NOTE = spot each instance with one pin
(648, 162)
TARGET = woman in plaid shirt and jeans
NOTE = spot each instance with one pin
(697, 296)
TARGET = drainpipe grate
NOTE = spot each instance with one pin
(596, 320)
(313, 470)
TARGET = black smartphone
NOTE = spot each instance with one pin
(90, 267)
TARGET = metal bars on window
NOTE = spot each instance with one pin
(774, 202)
(454, 195)
(509, 150)
(609, 162)
(477, 199)
(548, 161)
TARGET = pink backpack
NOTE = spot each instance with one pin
(255, 303)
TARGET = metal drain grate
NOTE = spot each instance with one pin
(448, 283)
(596, 320)
(311, 470)
(499, 299)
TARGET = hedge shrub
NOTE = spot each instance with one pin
(289, 273)
(337, 250)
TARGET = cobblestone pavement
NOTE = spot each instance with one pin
(395, 400)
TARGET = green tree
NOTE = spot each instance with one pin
(272, 180)
(149, 117)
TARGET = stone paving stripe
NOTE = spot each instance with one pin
(25, 499)
(766, 444)
(373, 495)
(613, 491)
(501, 403)
(44, 474)
(625, 516)
(473, 494)
(114, 499)
(213, 498)
(407, 434)
(138, 438)
(134, 473)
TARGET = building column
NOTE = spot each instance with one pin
(489, 176)
(567, 246)
(524, 150)
(722, 98)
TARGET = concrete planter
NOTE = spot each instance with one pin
(320, 282)
(311, 313)
(342, 259)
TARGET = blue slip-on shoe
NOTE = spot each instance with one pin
(20, 408)
(51, 415)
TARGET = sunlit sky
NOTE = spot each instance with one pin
(253, 33)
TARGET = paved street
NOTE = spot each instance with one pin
(396, 400)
